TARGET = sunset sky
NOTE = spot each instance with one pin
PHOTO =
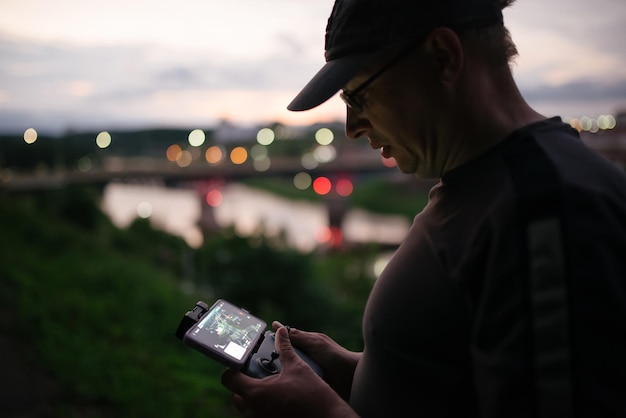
(83, 64)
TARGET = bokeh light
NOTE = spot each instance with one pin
(588, 124)
(325, 153)
(173, 152)
(607, 122)
(238, 155)
(6, 175)
(265, 136)
(262, 164)
(258, 152)
(196, 137)
(380, 264)
(322, 185)
(308, 161)
(344, 187)
(323, 235)
(388, 162)
(302, 181)
(331, 236)
(184, 159)
(103, 140)
(144, 210)
(214, 198)
(30, 136)
(214, 154)
(324, 136)
(84, 164)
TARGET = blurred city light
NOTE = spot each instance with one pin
(258, 152)
(325, 153)
(322, 185)
(262, 164)
(344, 187)
(214, 198)
(214, 154)
(388, 162)
(302, 181)
(265, 136)
(103, 140)
(380, 264)
(173, 152)
(308, 161)
(323, 235)
(84, 164)
(331, 236)
(6, 175)
(184, 159)
(144, 210)
(238, 155)
(30, 135)
(606, 122)
(588, 124)
(324, 136)
(196, 137)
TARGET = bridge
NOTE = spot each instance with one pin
(353, 159)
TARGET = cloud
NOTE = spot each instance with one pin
(57, 76)
(69, 86)
(598, 24)
(189, 65)
(579, 91)
(564, 41)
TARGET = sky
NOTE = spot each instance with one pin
(71, 65)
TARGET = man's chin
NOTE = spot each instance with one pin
(407, 167)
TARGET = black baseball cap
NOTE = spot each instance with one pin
(358, 30)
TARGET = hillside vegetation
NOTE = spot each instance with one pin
(89, 311)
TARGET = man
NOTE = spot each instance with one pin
(508, 296)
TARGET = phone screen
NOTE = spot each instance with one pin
(228, 330)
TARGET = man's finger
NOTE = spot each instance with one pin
(237, 382)
(238, 403)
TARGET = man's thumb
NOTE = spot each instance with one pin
(283, 345)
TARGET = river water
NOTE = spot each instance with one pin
(250, 211)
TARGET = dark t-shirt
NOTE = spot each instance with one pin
(508, 295)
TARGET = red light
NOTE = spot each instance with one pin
(332, 236)
(344, 187)
(336, 237)
(323, 235)
(322, 185)
(389, 162)
(214, 198)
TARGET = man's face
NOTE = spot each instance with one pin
(403, 114)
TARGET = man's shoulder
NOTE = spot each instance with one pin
(551, 151)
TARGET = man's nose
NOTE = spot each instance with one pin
(357, 125)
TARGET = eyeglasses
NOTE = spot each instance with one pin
(350, 97)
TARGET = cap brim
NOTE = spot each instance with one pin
(329, 80)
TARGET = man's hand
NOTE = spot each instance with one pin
(294, 392)
(338, 363)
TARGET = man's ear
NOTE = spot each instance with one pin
(444, 47)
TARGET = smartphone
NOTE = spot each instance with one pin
(226, 333)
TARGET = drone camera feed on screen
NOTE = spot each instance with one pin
(229, 330)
